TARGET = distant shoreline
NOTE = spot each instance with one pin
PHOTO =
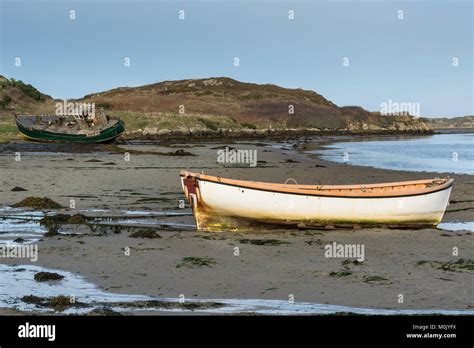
(253, 134)
(330, 148)
(453, 130)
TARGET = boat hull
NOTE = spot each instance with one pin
(105, 135)
(223, 207)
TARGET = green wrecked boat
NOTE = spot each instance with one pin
(70, 128)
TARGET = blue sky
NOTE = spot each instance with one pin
(403, 60)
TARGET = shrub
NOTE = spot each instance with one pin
(249, 126)
(25, 88)
(104, 106)
(208, 123)
(7, 99)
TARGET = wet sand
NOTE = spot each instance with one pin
(297, 267)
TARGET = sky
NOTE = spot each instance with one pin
(363, 53)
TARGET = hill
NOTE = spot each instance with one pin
(214, 104)
(221, 102)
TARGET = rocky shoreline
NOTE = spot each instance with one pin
(269, 134)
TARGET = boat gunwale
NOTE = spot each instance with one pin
(312, 190)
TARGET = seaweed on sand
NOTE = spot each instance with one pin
(272, 242)
(179, 152)
(167, 305)
(375, 279)
(18, 189)
(116, 149)
(58, 303)
(340, 274)
(314, 241)
(53, 230)
(53, 222)
(38, 203)
(63, 219)
(104, 310)
(352, 262)
(192, 262)
(459, 265)
(145, 233)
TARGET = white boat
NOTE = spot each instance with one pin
(230, 205)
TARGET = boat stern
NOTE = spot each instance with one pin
(188, 184)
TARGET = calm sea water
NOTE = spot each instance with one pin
(441, 153)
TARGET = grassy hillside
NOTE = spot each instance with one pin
(209, 104)
(19, 97)
(226, 103)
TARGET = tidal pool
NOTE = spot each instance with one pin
(457, 226)
(18, 281)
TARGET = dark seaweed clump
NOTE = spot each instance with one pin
(315, 241)
(58, 303)
(47, 276)
(168, 305)
(38, 203)
(115, 149)
(53, 222)
(179, 152)
(145, 233)
(340, 274)
(376, 279)
(53, 230)
(63, 219)
(352, 262)
(458, 265)
(272, 242)
(18, 189)
(192, 262)
(106, 311)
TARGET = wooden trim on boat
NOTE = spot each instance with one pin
(382, 190)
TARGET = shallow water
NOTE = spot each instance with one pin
(441, 153)
(143, 223)
(16, 223)
(17, 281)
(457, 226)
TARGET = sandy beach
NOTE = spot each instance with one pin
(102, 178)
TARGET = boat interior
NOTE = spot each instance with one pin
(65, 124)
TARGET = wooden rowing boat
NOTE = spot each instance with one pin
(225, 204)
(65, 128)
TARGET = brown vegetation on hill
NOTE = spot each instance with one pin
(213, 104)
